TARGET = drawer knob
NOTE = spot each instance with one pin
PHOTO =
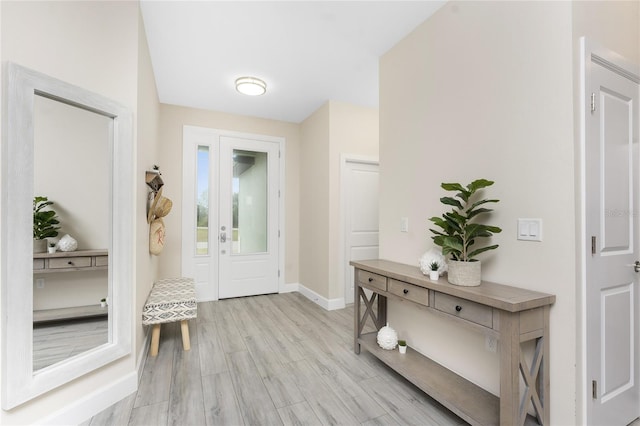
(405, 291)
(370, 279)
(458, 308)
(69, 263)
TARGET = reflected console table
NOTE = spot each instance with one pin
(71, 261)
(512, 315)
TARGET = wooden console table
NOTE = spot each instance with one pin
(70, 261)
(511, 314)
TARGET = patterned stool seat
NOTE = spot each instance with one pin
(170, 300)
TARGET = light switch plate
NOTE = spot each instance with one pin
(404, 224)
(530, 229)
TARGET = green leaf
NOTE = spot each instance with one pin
(451, 202)
(462, 191)
(481, 250)
(476, 212)
(453, 187)
(479, 184)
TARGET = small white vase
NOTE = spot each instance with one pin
(103, 304)
(434, 275)
(51, 250)
(402, 349)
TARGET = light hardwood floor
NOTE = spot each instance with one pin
(270, 360)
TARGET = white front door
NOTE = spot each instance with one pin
(612, 212)
(360, 199)
(230, 213)
(248, 224)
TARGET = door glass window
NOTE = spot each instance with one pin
(249, 203)
(202, 209)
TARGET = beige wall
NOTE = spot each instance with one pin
(333, 130)
(93, 45)
(314, 201)
(484, 90)
(172, 120)
(353, 131)
(148, 154)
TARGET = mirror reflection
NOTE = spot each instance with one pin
(70, 272)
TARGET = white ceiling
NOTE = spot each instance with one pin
(308, 52)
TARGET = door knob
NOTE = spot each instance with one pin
(635, 266)
(223, 237)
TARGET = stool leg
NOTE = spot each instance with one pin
(184, 327)
(155, 339)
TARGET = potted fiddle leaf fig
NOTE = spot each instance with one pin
(45, 223)
(460, 231)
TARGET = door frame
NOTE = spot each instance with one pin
(588, 50)
(344, 204)
(187, 178)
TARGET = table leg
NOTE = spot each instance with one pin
(184, 327)
(155, 340)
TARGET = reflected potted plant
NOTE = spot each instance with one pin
(459, 231)
(45, 223)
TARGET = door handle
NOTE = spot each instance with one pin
(635, 266)
(223, 237)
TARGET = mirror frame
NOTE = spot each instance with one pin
(19, 382)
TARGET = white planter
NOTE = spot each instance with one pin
(434, 275)
(467, 274)
(402, 349)
(51, 250)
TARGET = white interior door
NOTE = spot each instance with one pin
(230, 213)
(611, 169)
(360, 192)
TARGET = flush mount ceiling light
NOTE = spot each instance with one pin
(251, 86)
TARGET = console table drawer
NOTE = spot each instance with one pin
(409, 292)
(465, 309)
(373, 280)
(70, 262)
(38, 264)
(102, 260)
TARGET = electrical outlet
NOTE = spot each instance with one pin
(491, 344)
(40, 283)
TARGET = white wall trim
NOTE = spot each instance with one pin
(328, 304)
(88, 406)
(142, 358)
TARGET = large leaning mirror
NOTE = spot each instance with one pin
(73, 147)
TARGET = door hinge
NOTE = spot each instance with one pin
(593, 245)
(594, 389)
(593, 102)
(278, 193)
(278, 273)
(278, 233)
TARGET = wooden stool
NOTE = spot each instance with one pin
(170, 300)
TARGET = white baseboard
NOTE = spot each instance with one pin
(328, 304)
(142, 358)
(88, 406)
